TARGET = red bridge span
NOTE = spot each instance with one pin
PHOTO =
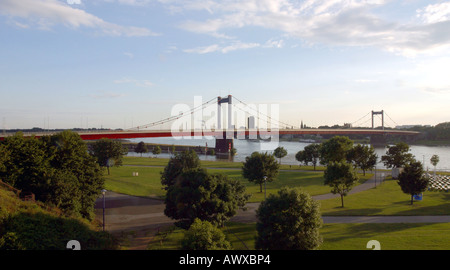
(130, 134)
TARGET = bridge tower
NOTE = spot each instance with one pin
(225, 143)
(380, 139)
(382, 118)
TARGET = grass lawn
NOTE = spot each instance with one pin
(395, 236)
(388, 199)
(147, 183)
(152, 161)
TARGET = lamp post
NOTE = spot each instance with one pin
(103, 192)
(265, 180)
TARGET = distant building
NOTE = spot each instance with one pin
(347, 125)
(251, 122)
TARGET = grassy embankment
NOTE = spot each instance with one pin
(31, 225)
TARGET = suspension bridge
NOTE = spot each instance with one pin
(235, 120)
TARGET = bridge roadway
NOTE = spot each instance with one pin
(129, 134)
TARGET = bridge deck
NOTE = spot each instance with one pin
(128, 134)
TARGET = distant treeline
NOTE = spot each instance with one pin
(37, 129)
(440, 132)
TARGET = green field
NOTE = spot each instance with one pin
(395, 236)
(388, 199)
(384, 199)
(148, 182)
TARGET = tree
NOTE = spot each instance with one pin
(108, 152)
(257, 166)
(77, 180)
(4, 159)
(341, 177)
(202, 235)
(289, 220)
(57, 169)
(363, 156)
(156, 150)
(434, 160)
(141, 148)
(397, 156)
(412, 180)
(335, 149)
(280, 152)
(208, 197)
(179, 163)
(26, 166)
(311, 153)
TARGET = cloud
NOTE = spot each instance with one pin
(129, 55)
(47, 13)
(435, 13)
(328, 22)
(74, 2)
(223, 49)
(140, 83)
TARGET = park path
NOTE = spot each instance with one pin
(140, 218)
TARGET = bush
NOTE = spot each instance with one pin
(41, 231)
(202, 235)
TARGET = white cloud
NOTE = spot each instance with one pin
(74, 2)
(129, 55)
(329, 22)
(203, 50)
(131, 2)
(223, 49)
(435, 13)
(140, 83)
(47, 13)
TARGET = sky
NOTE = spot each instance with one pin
(124, 63)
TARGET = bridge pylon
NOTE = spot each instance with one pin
(225, 143)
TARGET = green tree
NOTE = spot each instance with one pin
(341, 177)
(27, 167)
(202, 235)
(257, 166)
(311, 153)
(156, 150)
(280, 152)
(179, 163)
(434, 161)
(4, 159)
(108, 152)
(289, 220)
(363, 157)
(77, 179)
(397, 156)
(57, 169)
(210, 197)
(412, 180)
(141, 148)
(335, 149)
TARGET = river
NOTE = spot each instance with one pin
(245, 148)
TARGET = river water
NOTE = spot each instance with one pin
(245, 148)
